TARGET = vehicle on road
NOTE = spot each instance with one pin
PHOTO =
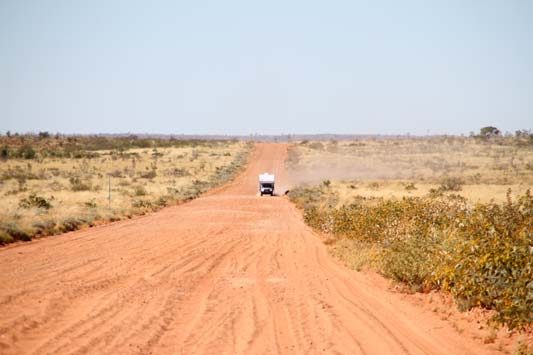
(266, 184)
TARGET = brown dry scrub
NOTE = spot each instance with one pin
(486, 169)
(65, 185)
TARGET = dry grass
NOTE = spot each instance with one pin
(393, 168)
(141, 180)
(394, 189)
(355, 254)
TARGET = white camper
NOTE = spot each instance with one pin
(266, 184)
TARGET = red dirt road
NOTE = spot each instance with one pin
(228, 273)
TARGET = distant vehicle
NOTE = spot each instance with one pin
(266, 184)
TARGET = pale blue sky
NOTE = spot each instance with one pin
(239, 67)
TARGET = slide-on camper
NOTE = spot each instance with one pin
(266, 184)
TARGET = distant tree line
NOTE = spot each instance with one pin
(44, 144)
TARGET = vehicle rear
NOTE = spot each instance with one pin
(266, 184)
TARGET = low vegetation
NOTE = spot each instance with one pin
(441, 213)
(481, 253)
(481, 167)
(55, 184)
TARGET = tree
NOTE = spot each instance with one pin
(27, 152)
(4, 152)
(522, 133)
(489, 131)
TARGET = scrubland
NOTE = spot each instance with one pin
(445, 213)
(51, 185)
(478, 169)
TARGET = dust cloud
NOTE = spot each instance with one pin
(324, 170)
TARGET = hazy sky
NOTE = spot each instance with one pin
(240, 67)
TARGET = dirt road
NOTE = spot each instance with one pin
(228, 273)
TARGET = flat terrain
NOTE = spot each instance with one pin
(483, 169)
(67, 183)
(229, 272)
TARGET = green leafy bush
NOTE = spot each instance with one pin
(493, 263)
(413, 260)
(482, 254)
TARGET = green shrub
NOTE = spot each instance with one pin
(4, 152)
(163, 201)
(139, 190)
(482, 254)
(26, 152)
(493, 262)
(16, 232)
(191, 193)
(35, 201)
(71, 224)
(413, 260)
(5, 238)
(44, 227)
(142, 204)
